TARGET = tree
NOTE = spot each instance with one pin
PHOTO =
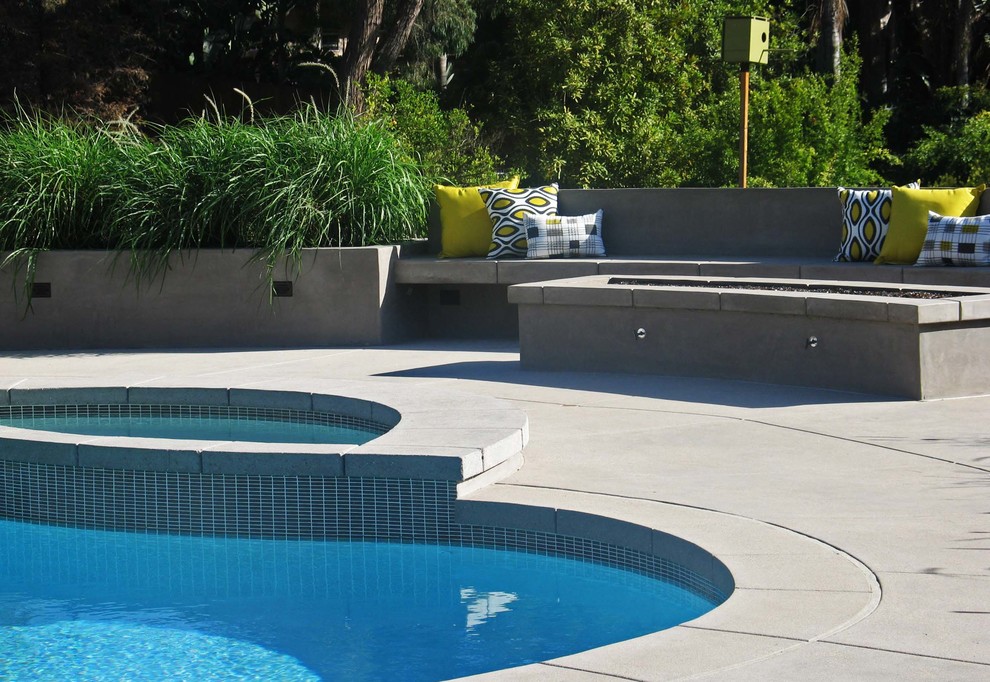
(954, 154)
(361, 44)
(444, 31)
(395, 40)
(963, 40)
(809, 129)
(404, 36)
(874, 22)
(20, 34)
(828, 20)
(594, 96)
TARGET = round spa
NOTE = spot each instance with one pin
(237, 534)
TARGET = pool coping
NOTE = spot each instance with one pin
(433, 436)
(775, 606)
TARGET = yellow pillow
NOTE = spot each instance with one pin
(465, 228)
(909, 218)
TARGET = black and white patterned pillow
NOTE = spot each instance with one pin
(956, 241)
(507, 208)
(564, 236)
(865, 219)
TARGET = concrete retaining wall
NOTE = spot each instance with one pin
(797, 222)
(210, 298)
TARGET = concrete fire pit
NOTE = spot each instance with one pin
(906, 340)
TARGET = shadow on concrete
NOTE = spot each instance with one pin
(725, 392)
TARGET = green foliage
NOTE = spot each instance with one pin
(622, 93)
(808, 130)
(276, 186)
(447, 144)
(593, 94)
(53, 180)
(957, 153)
(443, 28)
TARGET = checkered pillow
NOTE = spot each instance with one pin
(564, 236)
(507, 208)
(956, 241)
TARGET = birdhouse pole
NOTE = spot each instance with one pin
(743, 123)
(745, 41)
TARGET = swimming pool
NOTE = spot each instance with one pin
(99, 605)
(228, 507)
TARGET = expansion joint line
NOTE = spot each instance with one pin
(772, 425)
(604, 676)
(906, 653)
(869, 444)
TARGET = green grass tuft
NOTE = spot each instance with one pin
(277, 185)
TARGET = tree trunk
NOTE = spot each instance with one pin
(874, 23)
(441, 71)
(830, 19)
(962, 42)
(395, 41)
(361, 43)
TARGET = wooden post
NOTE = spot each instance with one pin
(743, 121)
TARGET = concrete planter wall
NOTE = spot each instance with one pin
(211, 298)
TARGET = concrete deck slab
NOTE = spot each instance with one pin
(953, 625)
(825, 661)
(857, 528)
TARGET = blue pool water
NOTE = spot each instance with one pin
(194, 426)
(98, 605)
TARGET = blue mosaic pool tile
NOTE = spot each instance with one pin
(218, 412)
(262, 506)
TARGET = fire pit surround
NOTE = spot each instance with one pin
(908, 341)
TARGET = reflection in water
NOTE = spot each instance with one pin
(484, 605)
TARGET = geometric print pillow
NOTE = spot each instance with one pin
(507, 208)
(956, 241)
(865, 219)
(564, 236)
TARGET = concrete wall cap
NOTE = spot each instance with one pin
(441, 434)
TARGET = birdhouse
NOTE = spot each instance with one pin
(746, 40)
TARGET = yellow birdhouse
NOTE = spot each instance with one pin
(746, 40)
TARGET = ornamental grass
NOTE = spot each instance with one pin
(275, 186)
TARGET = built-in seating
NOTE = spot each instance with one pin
(779, 233)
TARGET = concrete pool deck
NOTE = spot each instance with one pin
(857, 528)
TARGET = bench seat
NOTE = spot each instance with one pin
(778, 233)
(480, 271)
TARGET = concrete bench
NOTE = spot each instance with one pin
(789, 233)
